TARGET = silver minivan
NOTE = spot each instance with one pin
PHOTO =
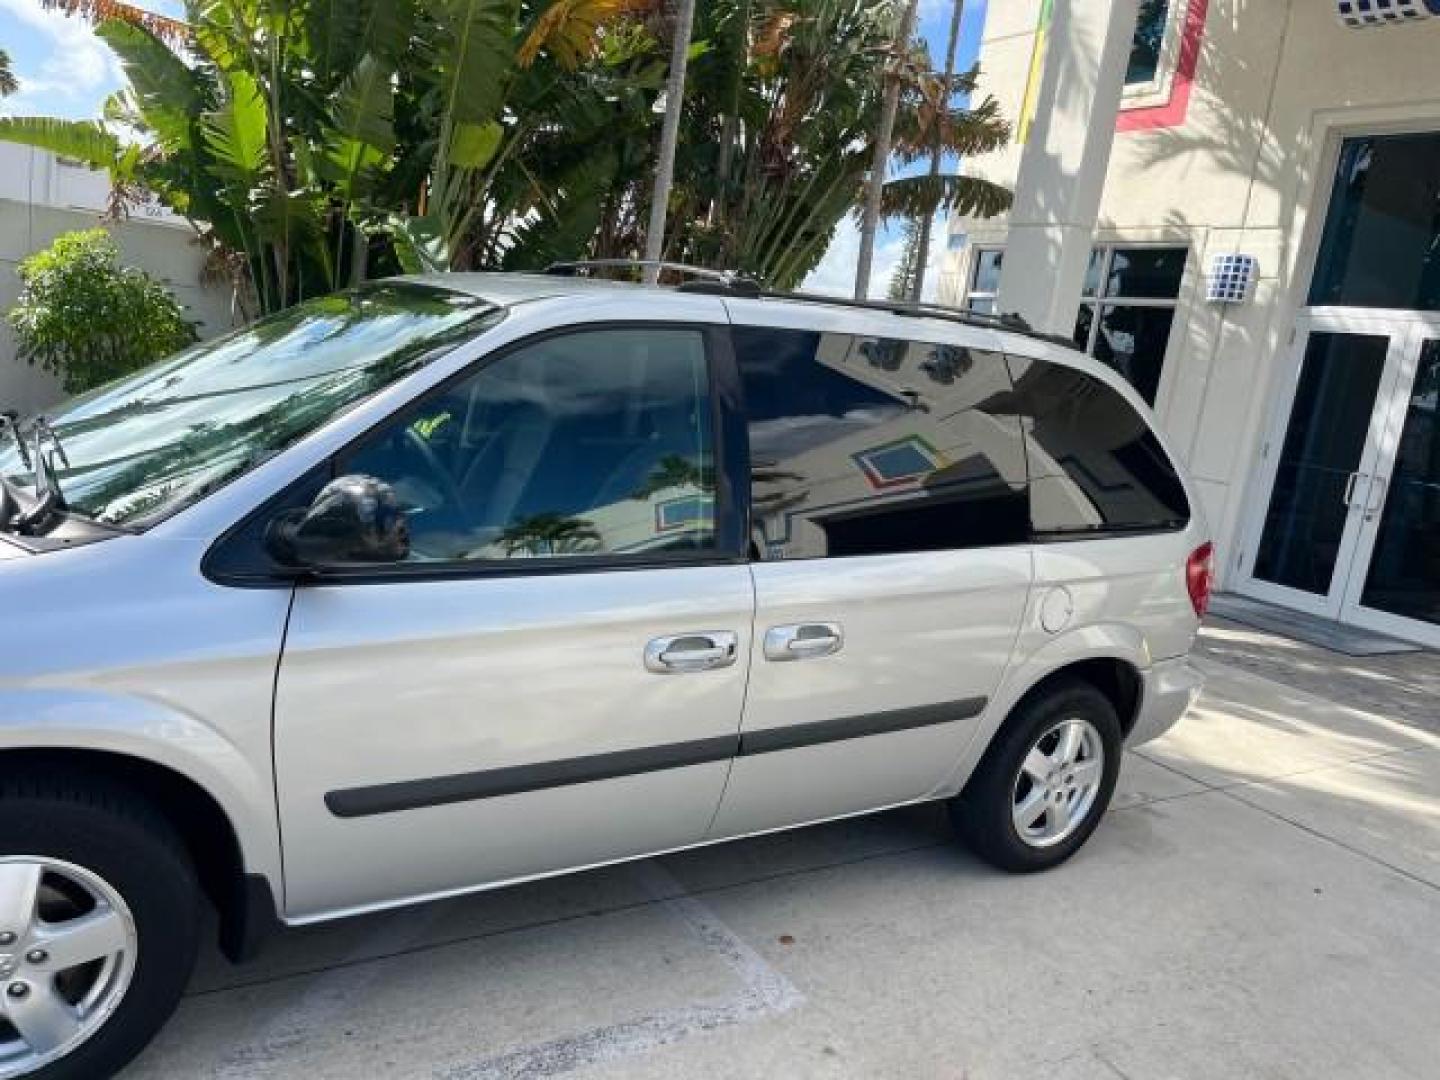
(452, 582)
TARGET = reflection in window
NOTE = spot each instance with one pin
(1129, 310)
(1149, 42)
(863, 446)
(1095, 466)
(985, 269)
(591, 443)
(1381, 245)
(144, 447)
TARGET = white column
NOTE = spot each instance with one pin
(1063, 165)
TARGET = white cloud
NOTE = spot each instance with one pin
(835, 275)
(78, 68)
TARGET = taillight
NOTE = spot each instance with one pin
(1200, 577)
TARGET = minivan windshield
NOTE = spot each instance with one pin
(143, 447)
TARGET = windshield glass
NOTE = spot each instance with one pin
(143, 447)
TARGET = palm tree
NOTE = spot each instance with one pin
(936, 154)
(675, 471)
(550, 534)
(880, 164)
(295, 131)
(8, 83)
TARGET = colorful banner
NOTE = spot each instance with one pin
(1028, 104)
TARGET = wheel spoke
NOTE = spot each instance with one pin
(1086, 773)
(78, 941)
(1031, 808)
(43, 1018)
(1037, 766)
(19, 888)
(1072, 735)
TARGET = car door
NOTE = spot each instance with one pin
(892, 569)
(554, 677)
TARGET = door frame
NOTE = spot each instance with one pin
(1423, 327)
(1311, 321)
(1405, 330)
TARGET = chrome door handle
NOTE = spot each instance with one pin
(1378, 487)
(803, 641)
(1349, 489)
(680, 653)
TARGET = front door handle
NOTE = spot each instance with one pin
(803, 641)
(1373, 507)
(681, 653)
(1349, 496)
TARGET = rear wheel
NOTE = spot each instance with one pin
(99, 922)
(1044, 784)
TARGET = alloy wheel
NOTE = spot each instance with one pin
(1055, 790)
(67, 953)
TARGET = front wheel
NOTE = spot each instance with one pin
(1044, 784)
(99, 924)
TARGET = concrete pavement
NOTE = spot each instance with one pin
(1262, 902)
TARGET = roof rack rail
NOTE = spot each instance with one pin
(724, 282)
(918, 309)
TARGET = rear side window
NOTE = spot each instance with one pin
(1095, 465)
(871, 446)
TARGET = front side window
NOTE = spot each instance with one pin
(591, 443)
(1095, 465)
(152, 443)
(1128, 311)
(872, 446)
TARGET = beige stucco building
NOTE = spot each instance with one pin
(42, 196)
(1306, 135)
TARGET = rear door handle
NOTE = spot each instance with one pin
(682, 653)
(803, 641)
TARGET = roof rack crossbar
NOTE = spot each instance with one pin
(705, 273)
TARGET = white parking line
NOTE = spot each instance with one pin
(325, 1001)
(765, 992)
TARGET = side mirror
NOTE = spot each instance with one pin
(355, 520)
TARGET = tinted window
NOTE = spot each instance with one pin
(1381, 246)
(1095, 465)
(592, 443)
(865, 446)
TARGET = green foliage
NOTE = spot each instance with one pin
(314, 143)
(902, 281)
(88, 319)
(8, 83)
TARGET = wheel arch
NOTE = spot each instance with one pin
(1110, 657)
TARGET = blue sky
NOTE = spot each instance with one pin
(65, 70)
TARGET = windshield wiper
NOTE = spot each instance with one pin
(50, 500)
(9, 425)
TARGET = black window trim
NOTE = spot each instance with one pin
(252, 567)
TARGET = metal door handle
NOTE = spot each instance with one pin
(681, 653)
(1349, 489)
(803, 641)
(1379, 497)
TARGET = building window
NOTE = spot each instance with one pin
(1149, 43)
(984, 280)
(1128, 309)
(1381, 245)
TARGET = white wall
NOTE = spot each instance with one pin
(40, 198)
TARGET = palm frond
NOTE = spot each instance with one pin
(83, 140)
(172, 32)
(921, 196)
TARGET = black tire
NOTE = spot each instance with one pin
(117, 835)
(982, 812)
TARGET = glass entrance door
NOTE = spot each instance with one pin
(1351, 528)
(1395, 585)
(1318, 474)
